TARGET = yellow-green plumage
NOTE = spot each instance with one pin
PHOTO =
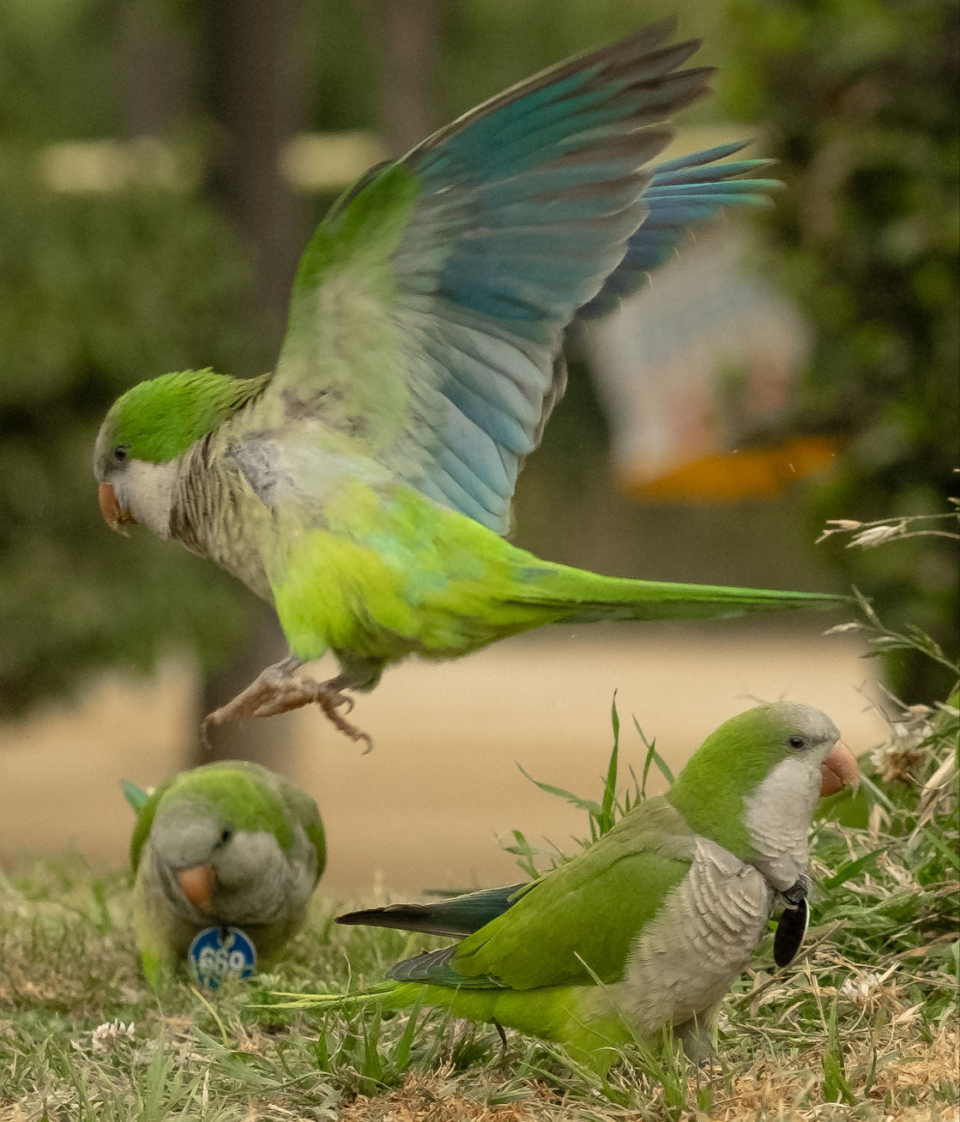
(567, 1015)
(394, 574)
(648, 927)
(364, 486)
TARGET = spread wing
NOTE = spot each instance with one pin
(428, 310)
(577, 923)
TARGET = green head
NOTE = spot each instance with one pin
(146, 432)
(772, 755)
(227, 834)
(231, 794)
(157, 421)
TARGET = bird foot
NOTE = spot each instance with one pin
(279, 690)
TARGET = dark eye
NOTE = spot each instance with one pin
(226, 834)
(120, 453)
(797, 742)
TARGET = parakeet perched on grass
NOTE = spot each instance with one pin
(229, 845)
(651, 924)
(362, 488)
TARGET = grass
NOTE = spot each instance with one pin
(863, 1025)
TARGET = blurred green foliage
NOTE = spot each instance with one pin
(858, 102)
(488, 45)
(96, 292)
(99, 291)
(50, 51)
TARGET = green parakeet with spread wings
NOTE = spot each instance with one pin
(227, 845)
(650, 925)
(364, 486)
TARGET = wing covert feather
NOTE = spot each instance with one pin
(580, 920)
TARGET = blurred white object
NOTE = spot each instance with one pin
(707, 356)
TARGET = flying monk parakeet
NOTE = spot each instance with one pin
(229, 846)
(650, 925)
(362, 488)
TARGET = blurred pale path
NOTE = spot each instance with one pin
(424, 808)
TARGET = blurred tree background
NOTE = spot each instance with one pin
(858, 103)
(98, 289)
(185, 261)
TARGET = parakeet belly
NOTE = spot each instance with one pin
(394, 574)
(687, 958)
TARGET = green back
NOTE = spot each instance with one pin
(580, 921)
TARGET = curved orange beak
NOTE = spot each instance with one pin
(110, 508)
(838, 770)
(197, 885)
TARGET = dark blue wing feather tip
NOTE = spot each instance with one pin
(682, 193)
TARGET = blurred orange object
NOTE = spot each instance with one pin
(751, 473)
(699, 375)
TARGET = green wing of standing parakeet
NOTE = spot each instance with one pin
(304, 809)
(144, 824)
(577, 923)
(429, 307)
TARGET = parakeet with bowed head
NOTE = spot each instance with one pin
(362, 488)
(227, 845)
(649, 926)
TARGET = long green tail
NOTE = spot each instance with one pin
(553, 1013)
(578, 596)
(391, 995)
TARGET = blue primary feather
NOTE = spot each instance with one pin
(549, 178)
(681, 193)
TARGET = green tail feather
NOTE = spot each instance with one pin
(583, 597)
(553, 1013)
(392, 995)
